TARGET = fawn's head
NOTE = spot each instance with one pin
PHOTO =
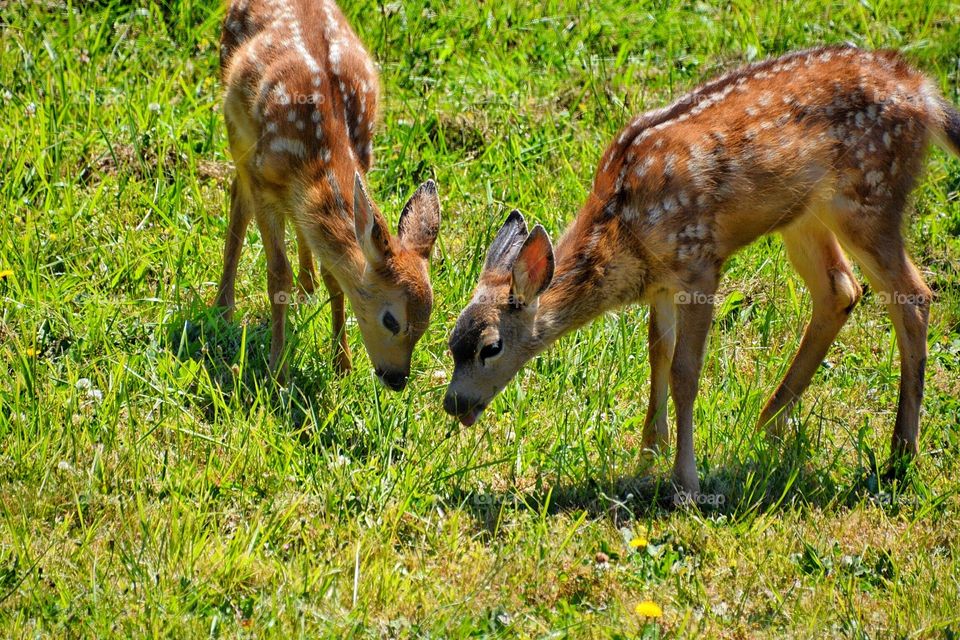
(395, 299)
(495, 334)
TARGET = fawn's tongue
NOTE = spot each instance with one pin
(470, 418)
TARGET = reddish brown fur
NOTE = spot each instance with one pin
(298, 66)
(742, 168)
(823, 145)
(300, 105)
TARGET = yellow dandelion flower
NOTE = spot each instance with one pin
(6, 273)
(31, 352)
(638, 543)
(649, 609)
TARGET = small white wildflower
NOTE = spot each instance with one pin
(154, 107)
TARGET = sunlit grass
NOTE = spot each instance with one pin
(154, 482)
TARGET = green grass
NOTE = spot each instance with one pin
(153, 483)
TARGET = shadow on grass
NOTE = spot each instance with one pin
(237, 378)
(772, 478)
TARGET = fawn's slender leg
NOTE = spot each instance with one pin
(816, 254)
(279, 282)
(307, 279)
(240, 211)
(900, 286)
(662, 338)
(909, 308)
(338, 324)
(693, 325)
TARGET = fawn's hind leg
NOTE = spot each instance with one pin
(240, 212)
(901, 288)
(816, 255)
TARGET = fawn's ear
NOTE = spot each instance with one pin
(533, 269)
(507, 243)
(371, 229)
(420, 220)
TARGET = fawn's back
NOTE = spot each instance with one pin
(300, 88)
(836, 129)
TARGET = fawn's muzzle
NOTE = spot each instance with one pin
(464, 410)
(393, 380)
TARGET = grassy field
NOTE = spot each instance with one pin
(154, 483)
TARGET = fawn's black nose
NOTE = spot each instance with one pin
(393, 380)
(453, 405)
(465, 410)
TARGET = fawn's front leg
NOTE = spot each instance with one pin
(338, 324)
(307, 278)
(279, 283)
(662, 338)
(694, 314)
(240, 211)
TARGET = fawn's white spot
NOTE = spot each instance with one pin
(656, 212)
(874, 178)
(669, 164)
(336, 55)
(288, 145)
(643, 167)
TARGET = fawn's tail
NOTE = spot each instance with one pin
(949, 123)
(952, 128)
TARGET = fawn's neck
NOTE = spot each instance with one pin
(591, 276)
(330, 230)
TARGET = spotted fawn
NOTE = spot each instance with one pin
(300, 107)
(822, 146)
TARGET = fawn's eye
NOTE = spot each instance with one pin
(490, 351)
(390, 323)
